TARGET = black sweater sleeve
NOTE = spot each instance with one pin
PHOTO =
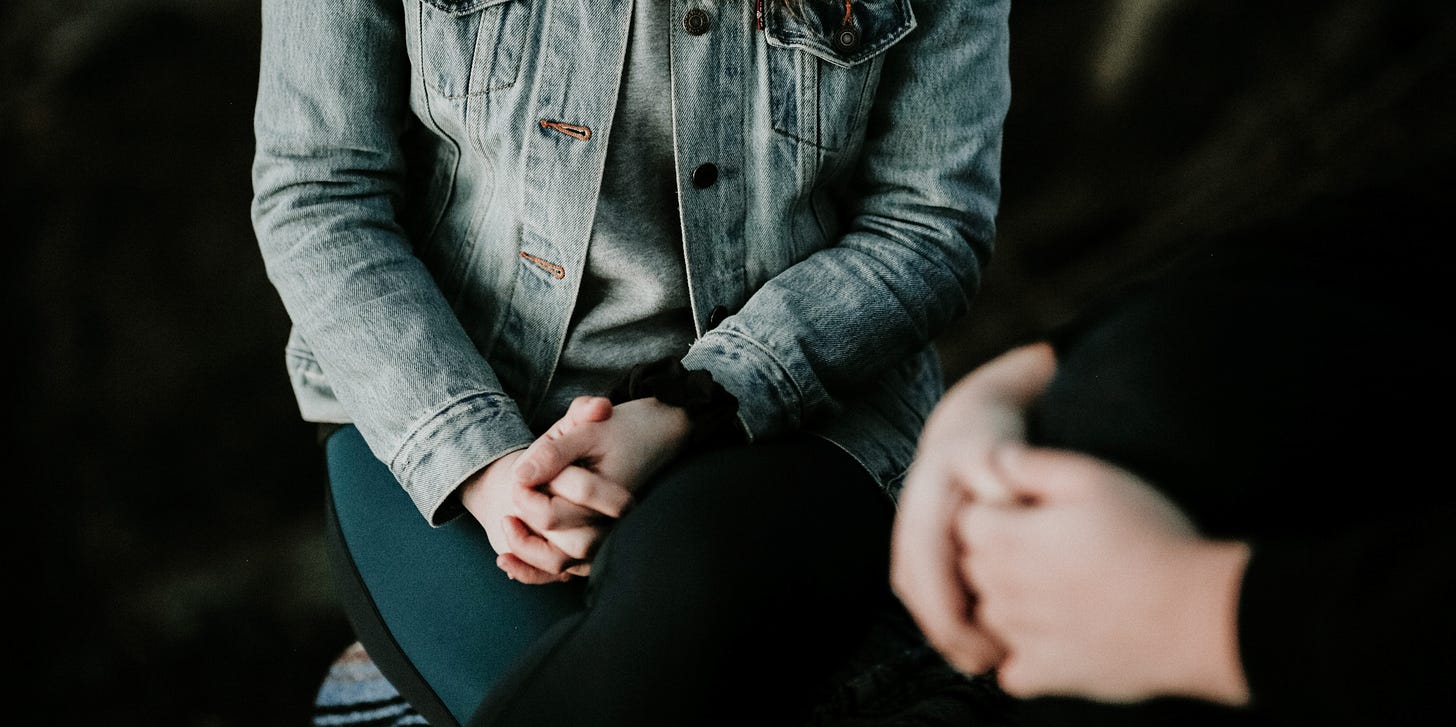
(1358, 628)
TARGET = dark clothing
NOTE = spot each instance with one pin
(729, 595)
(1286, 387)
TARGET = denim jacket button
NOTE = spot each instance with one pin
(696, 22)
(706, 175)
(716, 316)
(847, 38)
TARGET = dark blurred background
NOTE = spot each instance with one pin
(165, 538)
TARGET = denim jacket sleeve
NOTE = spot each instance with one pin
(332, 104)
(917, 237)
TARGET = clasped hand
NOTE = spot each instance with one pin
(547, 508)
(1063, 573)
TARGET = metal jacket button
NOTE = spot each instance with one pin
(696, 21)
(847, 38)
(705, 175)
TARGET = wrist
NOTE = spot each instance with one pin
(475, 486)
(1215, 669)
(677, 425)
(708, 412)
(470, 492)
(671, 425)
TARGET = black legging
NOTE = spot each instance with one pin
(727, 596)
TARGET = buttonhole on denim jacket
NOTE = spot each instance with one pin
(556, 271)
(572, 130)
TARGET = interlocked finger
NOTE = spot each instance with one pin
(543, 512)
(590, 490)
(533, 549)
(577, 543)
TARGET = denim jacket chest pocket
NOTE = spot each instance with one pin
(470, 47)
(824, 64)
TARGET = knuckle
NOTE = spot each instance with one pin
(979, 665)
(969, 664)
(939, 639)
(972, 658)
(555, 561)
(1014, 682)
(523, 497)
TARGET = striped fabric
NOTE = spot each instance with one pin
(355, 694)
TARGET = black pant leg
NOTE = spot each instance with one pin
(735, 587)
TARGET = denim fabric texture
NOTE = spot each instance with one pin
(427, 172)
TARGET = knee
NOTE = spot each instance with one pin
(772, 517)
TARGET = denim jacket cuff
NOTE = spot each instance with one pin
(769, 400)
(453, 444)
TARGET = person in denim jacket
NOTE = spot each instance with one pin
(665, 271)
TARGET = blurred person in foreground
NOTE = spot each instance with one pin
(1218, 498)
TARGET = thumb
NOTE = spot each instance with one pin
(584, 410)
(1017, 679)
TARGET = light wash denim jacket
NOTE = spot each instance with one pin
(427, 172)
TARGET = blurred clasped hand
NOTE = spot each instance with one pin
(1063, 573)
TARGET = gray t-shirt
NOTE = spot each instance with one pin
(633, 304)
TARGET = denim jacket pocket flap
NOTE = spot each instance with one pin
(470, 48)
(825, 30)
(463, 7)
